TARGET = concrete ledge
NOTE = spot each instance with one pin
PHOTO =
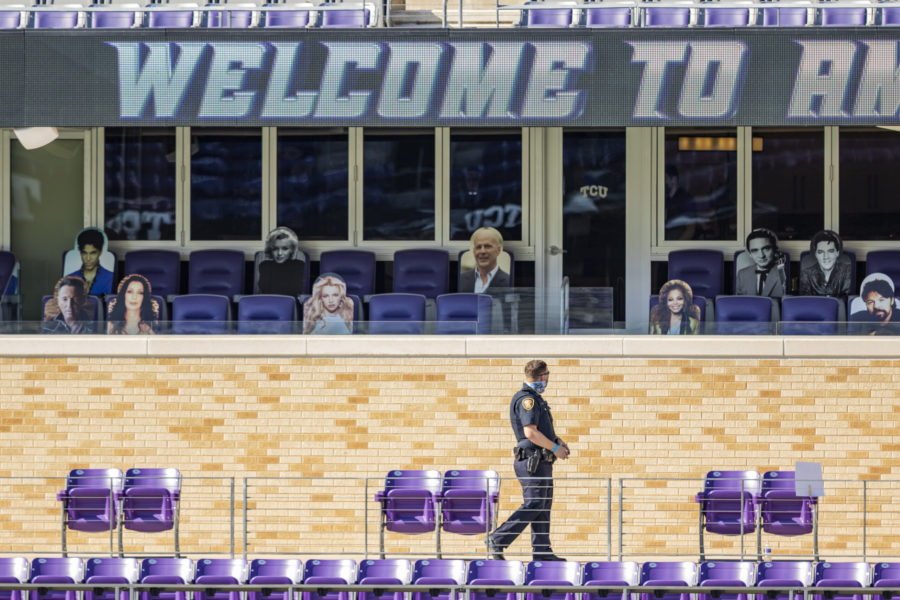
(226, 345)
(842, 347)
(738, 346)
(544, 345)
(386, 345)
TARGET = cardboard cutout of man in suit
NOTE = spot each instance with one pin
(486, 244)
(766, 276)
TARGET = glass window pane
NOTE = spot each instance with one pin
(869, 203)
(398, 187)
(788, 182)
(139, 183)
(226, 185)
(486, 184)
(701, 185)
(312, 185)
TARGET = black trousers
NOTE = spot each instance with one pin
(537, 495)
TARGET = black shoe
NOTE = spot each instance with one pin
(549, 558)
(494, 550)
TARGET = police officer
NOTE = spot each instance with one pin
(535, 452)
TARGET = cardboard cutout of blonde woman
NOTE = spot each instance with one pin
(876, 311)
(825, 271)
(69, 310)
(676, 313)
(280, 268)
(92, 261)
(329, 310)
(133, 310)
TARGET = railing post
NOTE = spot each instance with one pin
(865, 518)
(366, 515)
(231, 479)
(609, 519)
(245, 532)
(621, 516)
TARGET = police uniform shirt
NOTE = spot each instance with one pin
(528, 408)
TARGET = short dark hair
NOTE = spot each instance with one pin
(878, 285)
(535, 368)
(762, 232)
(826, 235)
(91, 236)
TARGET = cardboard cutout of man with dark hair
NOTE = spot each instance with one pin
(825, 271)
(766, 275)
(92, 261)
(874, 311)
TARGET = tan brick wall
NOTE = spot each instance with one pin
(340, 420)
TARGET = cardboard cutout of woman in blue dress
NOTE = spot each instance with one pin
(92, 261)
(329, 310)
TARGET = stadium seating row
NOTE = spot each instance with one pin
(441, 574)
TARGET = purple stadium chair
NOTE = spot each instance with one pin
(286, 19)
(744, 315)
(843, 574)
(423, 272)
(701, 269)
(784, 17)
(200, 314)
(216, 272)
(275, 571)
(667, 17)
(105, 17)
(843, 17)
(609, 574)
(397, 314)
(552, 574)
(390, 571)
(809, 315)
(267, 313)
(728, 503)
(885, 574)
(469, 503)
(173, 19)
(727, 573)
(163, 571)
(437, 572)
(408, 503)
(548, 17)
(349, 18)
(726, 17)
(109, 571)
(889, 16)
(13, 570)
(219, 571)
(236, 16)
(56, 570)
(11, 19)
(782, 512)
(464, 314)
(58, 19)
(494, 572)
(323, 572)
(162, 268)
(89, 501)
(877, 261)
(614, 16)
(784, 574)
(356, 268)
(150, 502)
(669, 574)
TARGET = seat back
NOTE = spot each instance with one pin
(668, 574)
(350, 18)
(200, 313)
(279, 571)
(464, 314)
(730, 573)
(782, 511)
(408, 501)
(287, 19)
(843, 17)
(166, 570)
(56, 570)
(548, 17)
(728, 501)
(726, 17)
(8, 260)
(888, 16)
(784, 573)
(744, 315)
(180, 19)
(468, 501)
(886, 574)
(424, 271)
(212, 571)
(108, 570)
(614, 16)
(552, 573)
(149, 499)
(216, 272)
(59, 19)
(785, 17)
(324, 571)
(13, 570)
(267, 313)
(437, 572)
(90, 500)
(389, 571)
(609, 573)
(397, 314)
(356, 268)
(877, 261)
(162, 268)
(667, 17)
(701, 269)
(12, 19)
(232, 17)
(110, 18)
(841, 574)
(810, 315)
(495, 572)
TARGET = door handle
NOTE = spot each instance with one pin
(554, 250)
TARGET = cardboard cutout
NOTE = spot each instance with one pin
(825, 271)
(133, 310)
(281, 267)
(485, 253)
(91, 260)
(876, 311)
(675, 313)
(329, 310)
(69, 310)
(761, 268)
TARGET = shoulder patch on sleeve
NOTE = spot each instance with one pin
(528, 403)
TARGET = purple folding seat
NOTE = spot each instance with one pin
(57, 19)
(235, 16)
(162, 268)
(286, 19)
(784, 574)
(726, 17)
(886, 574)
(397, 314)
(340, 571)
(727, 573)
(389, 571)
(785, 17)
(356, 268)
(166, 571)
(728, 503)
(842, 574)
(216, 272)
(809, 315)
(552, 574)
(10, 19)
(489, 573)
(744, 315)
(668, 574)
(609, 574)
(173, 19)
(200, 314)
(421, 271)
(110, 571)
(469, 503)
(843, 17)
(614, 16)
(667, 17)
(274, 571)
(438, 572)
(701, 269)
(408, 503)
(889, 16)
(348, 18)
(267, 313)
(219, 571)
(105, 17)
(150, 502)
(464, 314)
(89, 501)
(782, 511)
(13, 570)
(877, 261)
(547, 17)
(56, 570)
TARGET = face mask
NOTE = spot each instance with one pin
(538, 386)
